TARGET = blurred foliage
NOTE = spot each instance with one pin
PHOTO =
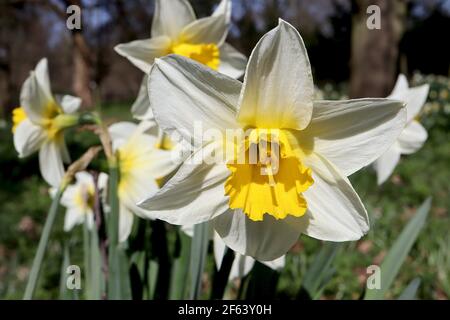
(24, 202)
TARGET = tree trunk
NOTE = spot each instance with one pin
(374, 53)
(82, 64)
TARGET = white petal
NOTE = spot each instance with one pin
(415, 100)
(263, 240)
(102, 180)
(193, 195)
(84, 177)
(171, 17)
(185, 94)
(68, 197)
(276, 264)
(141, 107)
(224, 8)
(70, 104)
(122, 130)
(335, 212)
(125, 223)
(385, 165)
(241, 266)
(412, 138)
(278, 86)
(28, 138)
(129, 133)
(188, 229)
(211, 29)
(142, 53)
(35, 98)
(72, 218)
(400, 85)
(353, 133)
(42, 77)
(232, 62)
(50, 163)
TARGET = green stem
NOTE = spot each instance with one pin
(114, 283)
(43, 242)
(198, 257)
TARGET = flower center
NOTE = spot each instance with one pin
(18, 115)
(84, 198)
(267, 177)
(206, 53)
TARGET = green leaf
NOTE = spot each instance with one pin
(42, 246)
(63, 292)
(410, 291)
(399, 251)
(199, 250)
(320, 271)
(119, 278)
(96, 275)
(180, 267)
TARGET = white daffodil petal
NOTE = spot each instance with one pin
(122, 130)
(416, 98)
(218, 245)
(28, 138)
(70, 104)
(385, 165)
(263, 240)
(50, 163)
(193, 195)
(412, 138)
(142, 53)
(125, 223)
(185, 94)
(72, 218)
(102, 181)
(42, 77)
(335, 212)
(67, 198)
(278, 87)
(232, 62)
(241, 266)
(84, 177)
(353, 133)
(171, 17)
(400, 85)
(276, 264)
(141, 107)
(211, 29)
(224, 8)
(35, 100)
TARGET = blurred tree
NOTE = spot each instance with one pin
(375, 53)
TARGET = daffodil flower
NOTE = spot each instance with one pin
(79, 199)
(39, 123)
(413, 135)
(176, 30)
(242, 265)
(141, 164)
(258, 209)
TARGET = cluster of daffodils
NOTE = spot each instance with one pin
(266, 161)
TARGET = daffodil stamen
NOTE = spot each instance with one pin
(272, 184)
(18, 115)
(206, 53)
